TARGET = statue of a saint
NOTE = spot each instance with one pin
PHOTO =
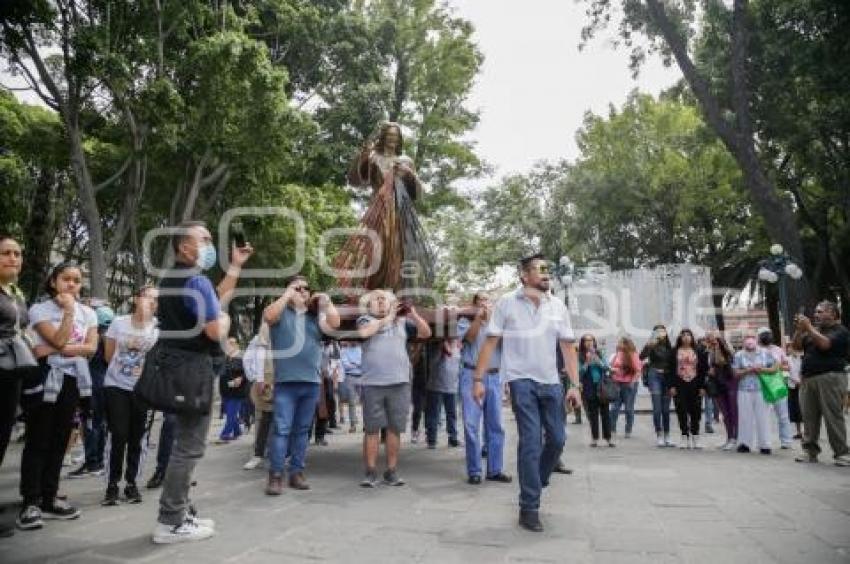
(405, 260)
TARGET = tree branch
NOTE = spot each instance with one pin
(700, 87)
(114, 177)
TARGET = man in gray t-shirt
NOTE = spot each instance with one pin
(386, 377)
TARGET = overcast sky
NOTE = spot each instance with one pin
(535, 85)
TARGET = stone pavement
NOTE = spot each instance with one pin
(634, 503)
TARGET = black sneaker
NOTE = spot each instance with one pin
(111, 497)
(97, 469)
(156, 480)
(59, 509)
(454, 443)
(370, 480)
(391, 478)
(131, 492)
(764, 451)
(743, 448)
(29, 518)
(81, 472)
(530, 521)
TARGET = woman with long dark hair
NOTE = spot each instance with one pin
(625, 370)
(687, 387)
(659, 353)
(722, 379)
(592, 367)
(65, 336)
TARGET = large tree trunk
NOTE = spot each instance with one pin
(39, 233)
(91, 213)
(737, 135)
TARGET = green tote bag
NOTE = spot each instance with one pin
(773, 386)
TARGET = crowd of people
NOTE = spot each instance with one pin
(67, 365)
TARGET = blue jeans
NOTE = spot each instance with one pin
(539, 410)
(94, 429)
(660, 401)
(294, 407)
(232, 409)
(491, 412)
(432, 415)
(626, 397)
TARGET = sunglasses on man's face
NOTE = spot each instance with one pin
(542, 268)
(301, 288)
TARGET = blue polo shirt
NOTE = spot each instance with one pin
(296, 347)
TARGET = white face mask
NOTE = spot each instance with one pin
(206, 257)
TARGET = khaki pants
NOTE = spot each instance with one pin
(823, 396)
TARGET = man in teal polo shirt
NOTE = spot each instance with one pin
(296, 324)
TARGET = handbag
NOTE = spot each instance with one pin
(176, 381)
(15, 353)
(773, 386)
(607, 389)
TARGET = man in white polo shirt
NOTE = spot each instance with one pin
(529, 322)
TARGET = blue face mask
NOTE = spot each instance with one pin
(206, 257)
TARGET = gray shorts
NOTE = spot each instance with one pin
(386, 406)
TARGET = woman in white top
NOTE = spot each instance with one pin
(128, 340)
(65, 335)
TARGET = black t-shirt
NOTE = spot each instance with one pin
(817, 361)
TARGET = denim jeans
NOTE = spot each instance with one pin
(432, 415)
(539, 410)
(294, 407)
(473, 413)
(626, 398)
(94, 428)
(660, 401)
(780, 408)
(709, 410)
(232, 410)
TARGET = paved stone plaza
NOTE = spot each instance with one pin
(634, 503)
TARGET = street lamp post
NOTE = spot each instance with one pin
(777, 269)
(564, 272)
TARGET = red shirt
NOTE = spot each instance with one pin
(618, 370)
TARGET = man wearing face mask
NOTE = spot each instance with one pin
(752, 409)
(826, 344)
(192, 325)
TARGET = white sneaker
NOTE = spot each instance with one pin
(200, 521)
(659, 442)
(254, 463)
(695, 442)
(668, 442)
(187, 531)
(414, 437)
(685, 442)
(731, 444)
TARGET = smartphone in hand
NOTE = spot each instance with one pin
(237, 233)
